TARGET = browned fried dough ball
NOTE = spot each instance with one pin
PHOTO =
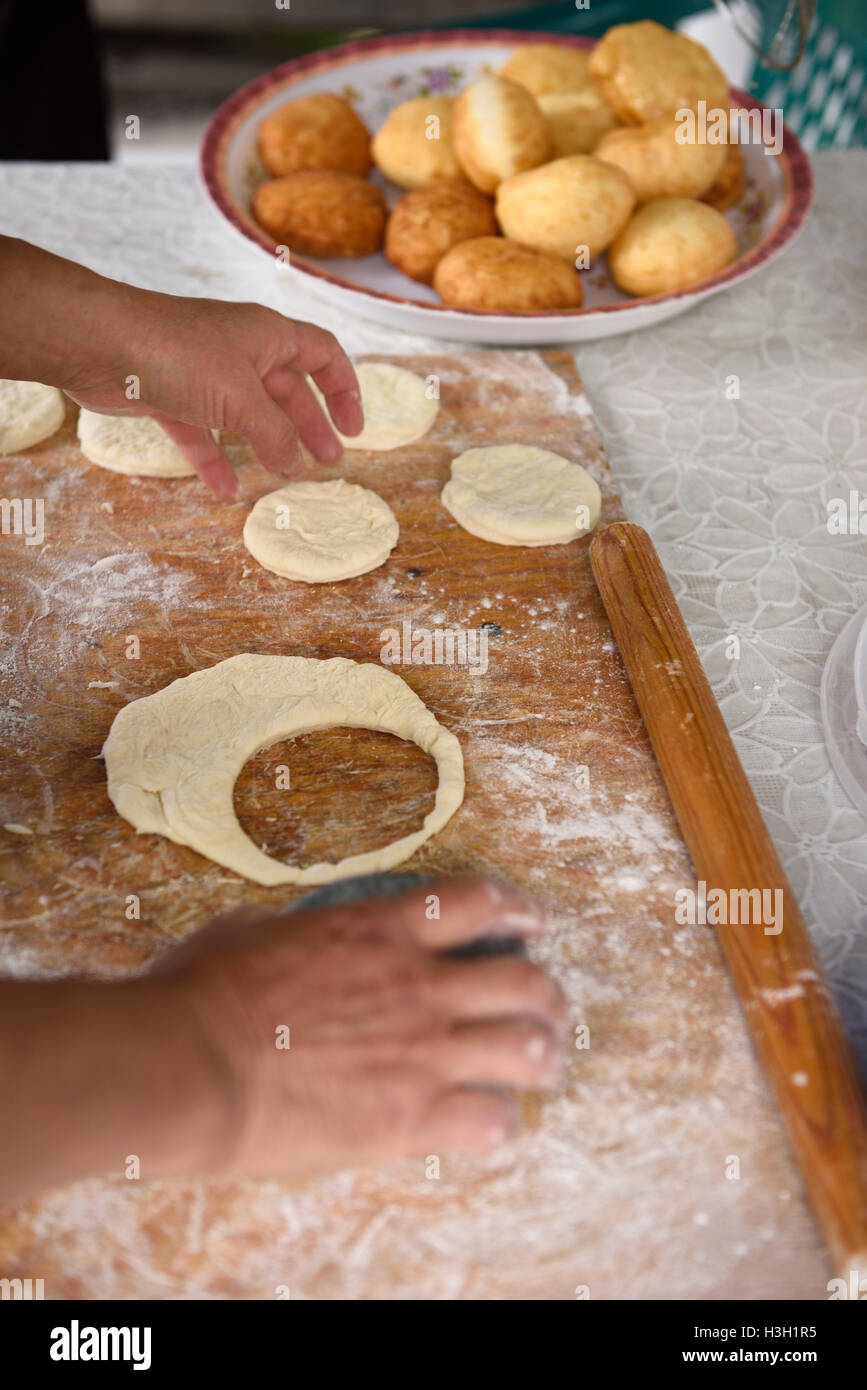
(570, 203)
(316, 132)
(658, 164)
(669, 244)
(498, 274)
(576, 120)
(548, 67)
(414, 145)
(322, 212)
(729, 183)
(498, 130)
(646, 71)
(429, 221)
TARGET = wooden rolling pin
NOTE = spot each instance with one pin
(779, 980)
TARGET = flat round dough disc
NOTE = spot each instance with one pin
(321, 532)
(173, 758)
(397, 408)
(29, 413)
(133, 444)
(514, 494)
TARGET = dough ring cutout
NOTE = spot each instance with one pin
(173, 758)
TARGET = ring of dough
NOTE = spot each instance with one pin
(320, 532)
(173, 758)
(133, 444)
(516, 494)
(396, 405)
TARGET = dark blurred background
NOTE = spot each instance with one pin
(72, 71)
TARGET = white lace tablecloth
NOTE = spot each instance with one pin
(733, 492)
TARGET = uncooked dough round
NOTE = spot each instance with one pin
(318, 532)
(29, 413)
(133, 444)
(173, 758)
(397, 407)
(515, 494)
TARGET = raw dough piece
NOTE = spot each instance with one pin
(29, 413)
(133, 444)
(514, 494)
(318, 532)
(397, 409)
(173, 758)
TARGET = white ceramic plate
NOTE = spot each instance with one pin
(844, 670)
(376, 74)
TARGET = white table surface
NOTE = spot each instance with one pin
(733, 492)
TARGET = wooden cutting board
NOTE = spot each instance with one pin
(621, 1184)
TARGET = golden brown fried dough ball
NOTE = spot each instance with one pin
(429, 221)
(322, 212)
(548, 67)
(498, 130)
(657, 164)
(494, 273)
(570, 203)
(316, 132)
(415, 145)
(646, 71)
(576, 120)
(730, 182)
(670, 243)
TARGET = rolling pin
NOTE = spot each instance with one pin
(781, 985)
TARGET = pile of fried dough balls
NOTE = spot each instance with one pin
(561, 150)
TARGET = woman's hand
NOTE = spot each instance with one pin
(349, 1038)
(192, 364)
(275, 1046)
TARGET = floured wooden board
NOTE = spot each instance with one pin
(619, 1183)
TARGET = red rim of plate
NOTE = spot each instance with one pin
(793, 163)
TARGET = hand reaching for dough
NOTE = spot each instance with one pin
(393, 1047)
(197, 364)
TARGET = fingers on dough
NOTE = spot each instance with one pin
(397, 405)
(133, 444)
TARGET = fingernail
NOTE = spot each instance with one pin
(521, 921)
(536, 1048)
(527, 908)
